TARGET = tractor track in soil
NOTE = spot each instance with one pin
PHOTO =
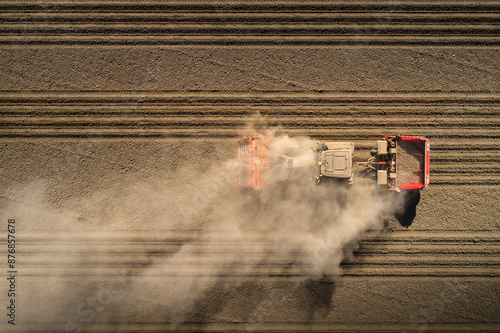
(252, 23)
(431, 253)
(440, 116)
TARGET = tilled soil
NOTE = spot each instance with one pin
(114, 113)
(410, 166)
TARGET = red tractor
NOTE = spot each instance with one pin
(401, 162)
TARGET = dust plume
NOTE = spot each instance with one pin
(131, 252)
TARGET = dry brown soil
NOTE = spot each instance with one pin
(410, 161)
(115, 114)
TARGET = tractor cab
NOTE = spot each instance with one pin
(336, 159)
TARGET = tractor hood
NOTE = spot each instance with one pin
(336, 163)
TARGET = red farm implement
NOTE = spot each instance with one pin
(253, 161)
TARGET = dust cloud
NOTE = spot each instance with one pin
(132, 252)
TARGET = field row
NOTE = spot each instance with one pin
(232, 122)
(330, 133)
(250, 40)
(250, 24)
(281, 98)
(162, 263)
(48, 17)
(134, 28)
(219, 253)
(209, 7)
(178, 236)
(223, 110)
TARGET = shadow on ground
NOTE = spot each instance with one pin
(251, 304)
(406, 214)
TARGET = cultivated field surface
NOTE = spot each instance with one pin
(118, 156)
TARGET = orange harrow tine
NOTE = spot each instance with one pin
(250, 151)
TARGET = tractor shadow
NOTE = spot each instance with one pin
(407, 212)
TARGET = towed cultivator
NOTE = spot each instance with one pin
(400, 162)
(252, 153)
